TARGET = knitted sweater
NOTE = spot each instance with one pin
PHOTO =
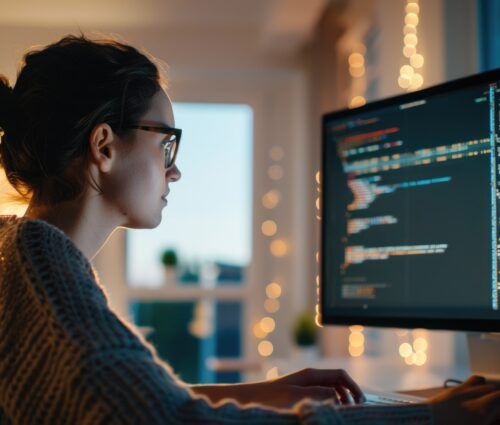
(66, 358)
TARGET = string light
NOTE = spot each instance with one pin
(273, 290)
(357, 70)
(271, 306)
(265, 348)
(414, 353)
(269, 228)
(275, 172)
(408, 78)
(258, 331)
(267, 324)
(276, 153)
(278, 248)
(272, 373)
(356, 340)
(271, 199)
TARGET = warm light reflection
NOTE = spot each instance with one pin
(258, 331)
(275, 172)
(405, 350)
(273, 290)
(356, 351)
(271, 305)
(420, 358)
(267, 324)
(420, 344)
(411, 19)
(356, 339)
(406, 70)
(416, 81)
(269, 228)
(409, 29)
(271, 199)
(265, 348)
(357, 101)
(272, 373)
(410, 359)
(404, 82)
(276, 153)
(409, 51)
(357, 72)
(417, 60)
(412, 8)
(356, 60)
(356, 328)
(278, 248)
(411, 40)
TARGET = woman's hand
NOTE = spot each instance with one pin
(323, 384)
(472, 402)
(284, 392)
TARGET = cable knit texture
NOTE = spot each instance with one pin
(66, 358)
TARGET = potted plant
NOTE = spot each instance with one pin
(169, 261)
(305, 335)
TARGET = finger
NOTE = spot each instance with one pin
(477, 390)
(354, 388)
(491, 403)
(344, 395)
(334, 377)
(475, 380)
(321, 393)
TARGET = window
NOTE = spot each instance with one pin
(208, 225)
(208, 218)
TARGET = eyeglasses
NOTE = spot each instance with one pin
(170, 144)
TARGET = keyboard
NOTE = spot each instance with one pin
(381, 398)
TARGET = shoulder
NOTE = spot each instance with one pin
(40, 238)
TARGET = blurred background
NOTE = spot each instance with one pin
(226, 287)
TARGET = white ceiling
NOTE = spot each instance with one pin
(282, 25)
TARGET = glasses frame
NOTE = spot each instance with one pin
(177, 132)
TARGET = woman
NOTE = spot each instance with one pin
(89, 141)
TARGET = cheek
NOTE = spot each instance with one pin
(138, 184)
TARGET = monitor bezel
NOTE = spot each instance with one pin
(330, 318)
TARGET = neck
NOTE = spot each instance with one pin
(86, 222)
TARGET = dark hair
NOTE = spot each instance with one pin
(61, 93)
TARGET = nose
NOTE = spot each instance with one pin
(173, 173)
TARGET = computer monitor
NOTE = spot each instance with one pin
(410, 209)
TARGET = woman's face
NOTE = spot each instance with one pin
(141, 179)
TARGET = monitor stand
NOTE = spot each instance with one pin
(484, 354)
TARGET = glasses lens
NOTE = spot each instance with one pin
(170, 149)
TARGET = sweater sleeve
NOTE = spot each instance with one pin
(116, 377)
(133, 389)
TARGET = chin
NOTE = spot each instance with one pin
(143, 222)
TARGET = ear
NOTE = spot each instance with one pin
(102, 147)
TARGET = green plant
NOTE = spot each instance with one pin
(169, 258)
(304, 330)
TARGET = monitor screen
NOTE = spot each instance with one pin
(410, 208)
